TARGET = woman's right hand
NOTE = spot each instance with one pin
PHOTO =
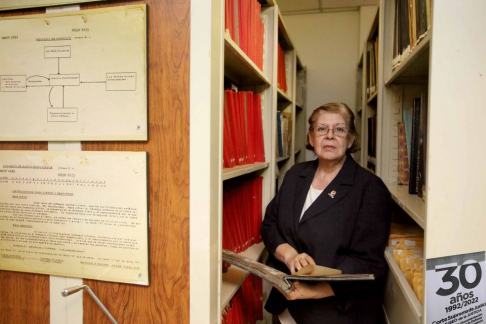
(292, 259)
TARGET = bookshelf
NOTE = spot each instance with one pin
(285, 76)
(235, 276)
(234, 69)
(398, 285)
(300, 128)
(368, 90)
(446, 67)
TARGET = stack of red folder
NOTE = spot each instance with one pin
(242, 129)
(246, 306)
(281, 75)
(244, 25)
(242, 214)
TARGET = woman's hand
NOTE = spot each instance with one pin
(292, 259)
(299, 261)
(303, 290)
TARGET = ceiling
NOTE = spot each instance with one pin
(299, 7)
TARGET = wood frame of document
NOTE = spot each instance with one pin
(71, 114)
(70, 201)
(42, 3)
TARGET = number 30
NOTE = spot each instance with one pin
(448, 277)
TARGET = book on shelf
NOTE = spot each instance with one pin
(281, 66)
(404, 28)
(412, 21)
(248, 121)
(371, 165)
(300, 88)
(368, 73)
(375, 72)
(372, 75)
(242, 214)
(284, 134)
(284, 281)
(242, 129)
(421, 174)
(229, 154)
(279, 135)
(246, 305)
(414, 154)
(259, 144)
(403, 164)
(287, 132)
(372, 67)
(244, 25)
(407, 122)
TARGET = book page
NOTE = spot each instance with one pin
(272, 275)
(75, 214)
(317, 271)
(74, 76)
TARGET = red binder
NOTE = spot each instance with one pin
(259, 144)
(229, 151)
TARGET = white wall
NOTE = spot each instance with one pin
(328, 45)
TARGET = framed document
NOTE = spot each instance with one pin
(74, 76)
(75, 214)
(20, 4)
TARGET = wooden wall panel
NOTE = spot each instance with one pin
(24, 297)
(166, 300)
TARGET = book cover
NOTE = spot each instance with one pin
(259, 142)
(403, 165)
(250, 125)
(421, 12)
(422, 146)
(279, 135)
(407, 120)
(404, 30)
(414, 154)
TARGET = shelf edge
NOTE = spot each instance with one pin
(238, 275)
(412, 300)
(244, 58)
(239, 170)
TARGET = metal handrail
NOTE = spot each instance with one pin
(69, 291)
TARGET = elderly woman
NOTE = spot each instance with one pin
(333, 213)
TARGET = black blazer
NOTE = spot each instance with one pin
(348, 231)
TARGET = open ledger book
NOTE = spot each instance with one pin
(309, 272)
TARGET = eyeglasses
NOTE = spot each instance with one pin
(322, 130)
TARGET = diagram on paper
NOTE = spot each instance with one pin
(115, 81)
(78, 76)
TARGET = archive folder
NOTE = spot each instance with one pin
(284, 281)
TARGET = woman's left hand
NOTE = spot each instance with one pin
(303, 290)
